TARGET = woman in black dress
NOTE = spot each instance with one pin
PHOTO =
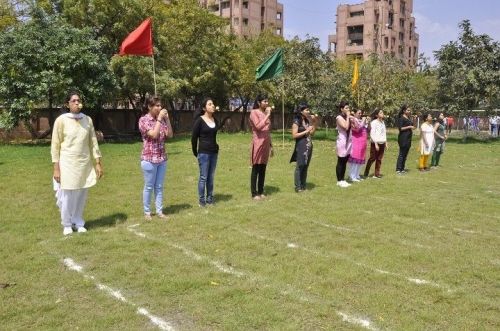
(304, 125)
(405, 127)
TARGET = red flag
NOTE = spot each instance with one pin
(140, 41)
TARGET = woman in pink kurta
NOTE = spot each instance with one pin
(261, 145)
(358, 149)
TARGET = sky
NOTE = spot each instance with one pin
(436, 20)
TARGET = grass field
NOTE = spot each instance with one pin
(413, 252)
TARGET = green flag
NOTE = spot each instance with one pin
(272, 67)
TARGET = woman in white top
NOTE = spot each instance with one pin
(426, 141)
(378, 143)
(74, 150)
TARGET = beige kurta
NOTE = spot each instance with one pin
(74, 146)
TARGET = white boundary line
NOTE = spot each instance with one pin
(350, 260)
(290, 291)
(159, 322)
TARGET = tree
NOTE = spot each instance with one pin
(468, 72)
(43, 58)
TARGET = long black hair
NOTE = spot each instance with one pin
(402, 110)
(200, 111)
(298, 111)
(258, 100)
(150, 101)
(341, 106)
(374, 114)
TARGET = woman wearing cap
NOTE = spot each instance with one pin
(303, 127)
(261, 145)
(74, 151)
(155, 129)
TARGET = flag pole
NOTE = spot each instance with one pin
(283, 109)
(154, 72)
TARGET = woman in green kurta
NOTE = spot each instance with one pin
(440, 137)
(74, 150)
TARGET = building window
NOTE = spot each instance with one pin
(357, 13)
(262, 26)
(355, 35)
(245, 4)
(403, 7)
(245, 21)
(402, 23)
(386, 42)
(391, 20)
(236, 21)
(225, 4)
(278, 31)
(409, 51)
(401, 36)
(278, 16)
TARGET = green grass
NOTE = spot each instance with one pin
(294, 261)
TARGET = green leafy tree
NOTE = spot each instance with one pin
(40, 60)
(468, 72)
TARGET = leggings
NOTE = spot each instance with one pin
(257, 179)
(341, 167)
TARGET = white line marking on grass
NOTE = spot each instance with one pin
(159, 322)
(292, 292)
(356, 320)
(346, 258)
(383, 238)
(292, 245)
(466, 231)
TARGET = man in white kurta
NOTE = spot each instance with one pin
(74, 149)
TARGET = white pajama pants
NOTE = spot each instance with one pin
(354, 170)
(71, 204)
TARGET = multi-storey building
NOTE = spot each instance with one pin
(376, 26)
(249, 17)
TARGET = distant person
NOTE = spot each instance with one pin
(303, 128)
(449, 124)
(378, 143)
(155, 128)
(206, 150)
(426, 141)
(74, 151)
(359, 142)
(343, 120)
(405, 127)
(440, 137)
(260, 123)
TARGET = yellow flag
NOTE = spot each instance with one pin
(355, 75)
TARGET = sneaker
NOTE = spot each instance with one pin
(262, 196)
(257, 197)
(147, 217)
(67, 230)
(354, 180)
(81, 230)
(343, 184)
(376, 176)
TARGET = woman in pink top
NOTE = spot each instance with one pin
(261, 145)
(359, 137)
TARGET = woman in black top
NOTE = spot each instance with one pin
(302, 130)
(405, 126)
(205, 148)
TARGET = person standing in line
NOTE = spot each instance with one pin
(405, 127)
(260, 124)
(440, 137)
(206, 150)
(303, 128)
(359, 141)
(74, 150)
(343, 120)
(155, 128)
(426, 141)
(378, 143)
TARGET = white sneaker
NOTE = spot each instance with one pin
(346, 183)
(354, 180)
(67, 230)
(343, 184)
(81, 230)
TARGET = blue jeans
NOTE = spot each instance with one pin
(207, 163)
(154, 176)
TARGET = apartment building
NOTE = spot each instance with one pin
(249, 17)
(376, 26)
